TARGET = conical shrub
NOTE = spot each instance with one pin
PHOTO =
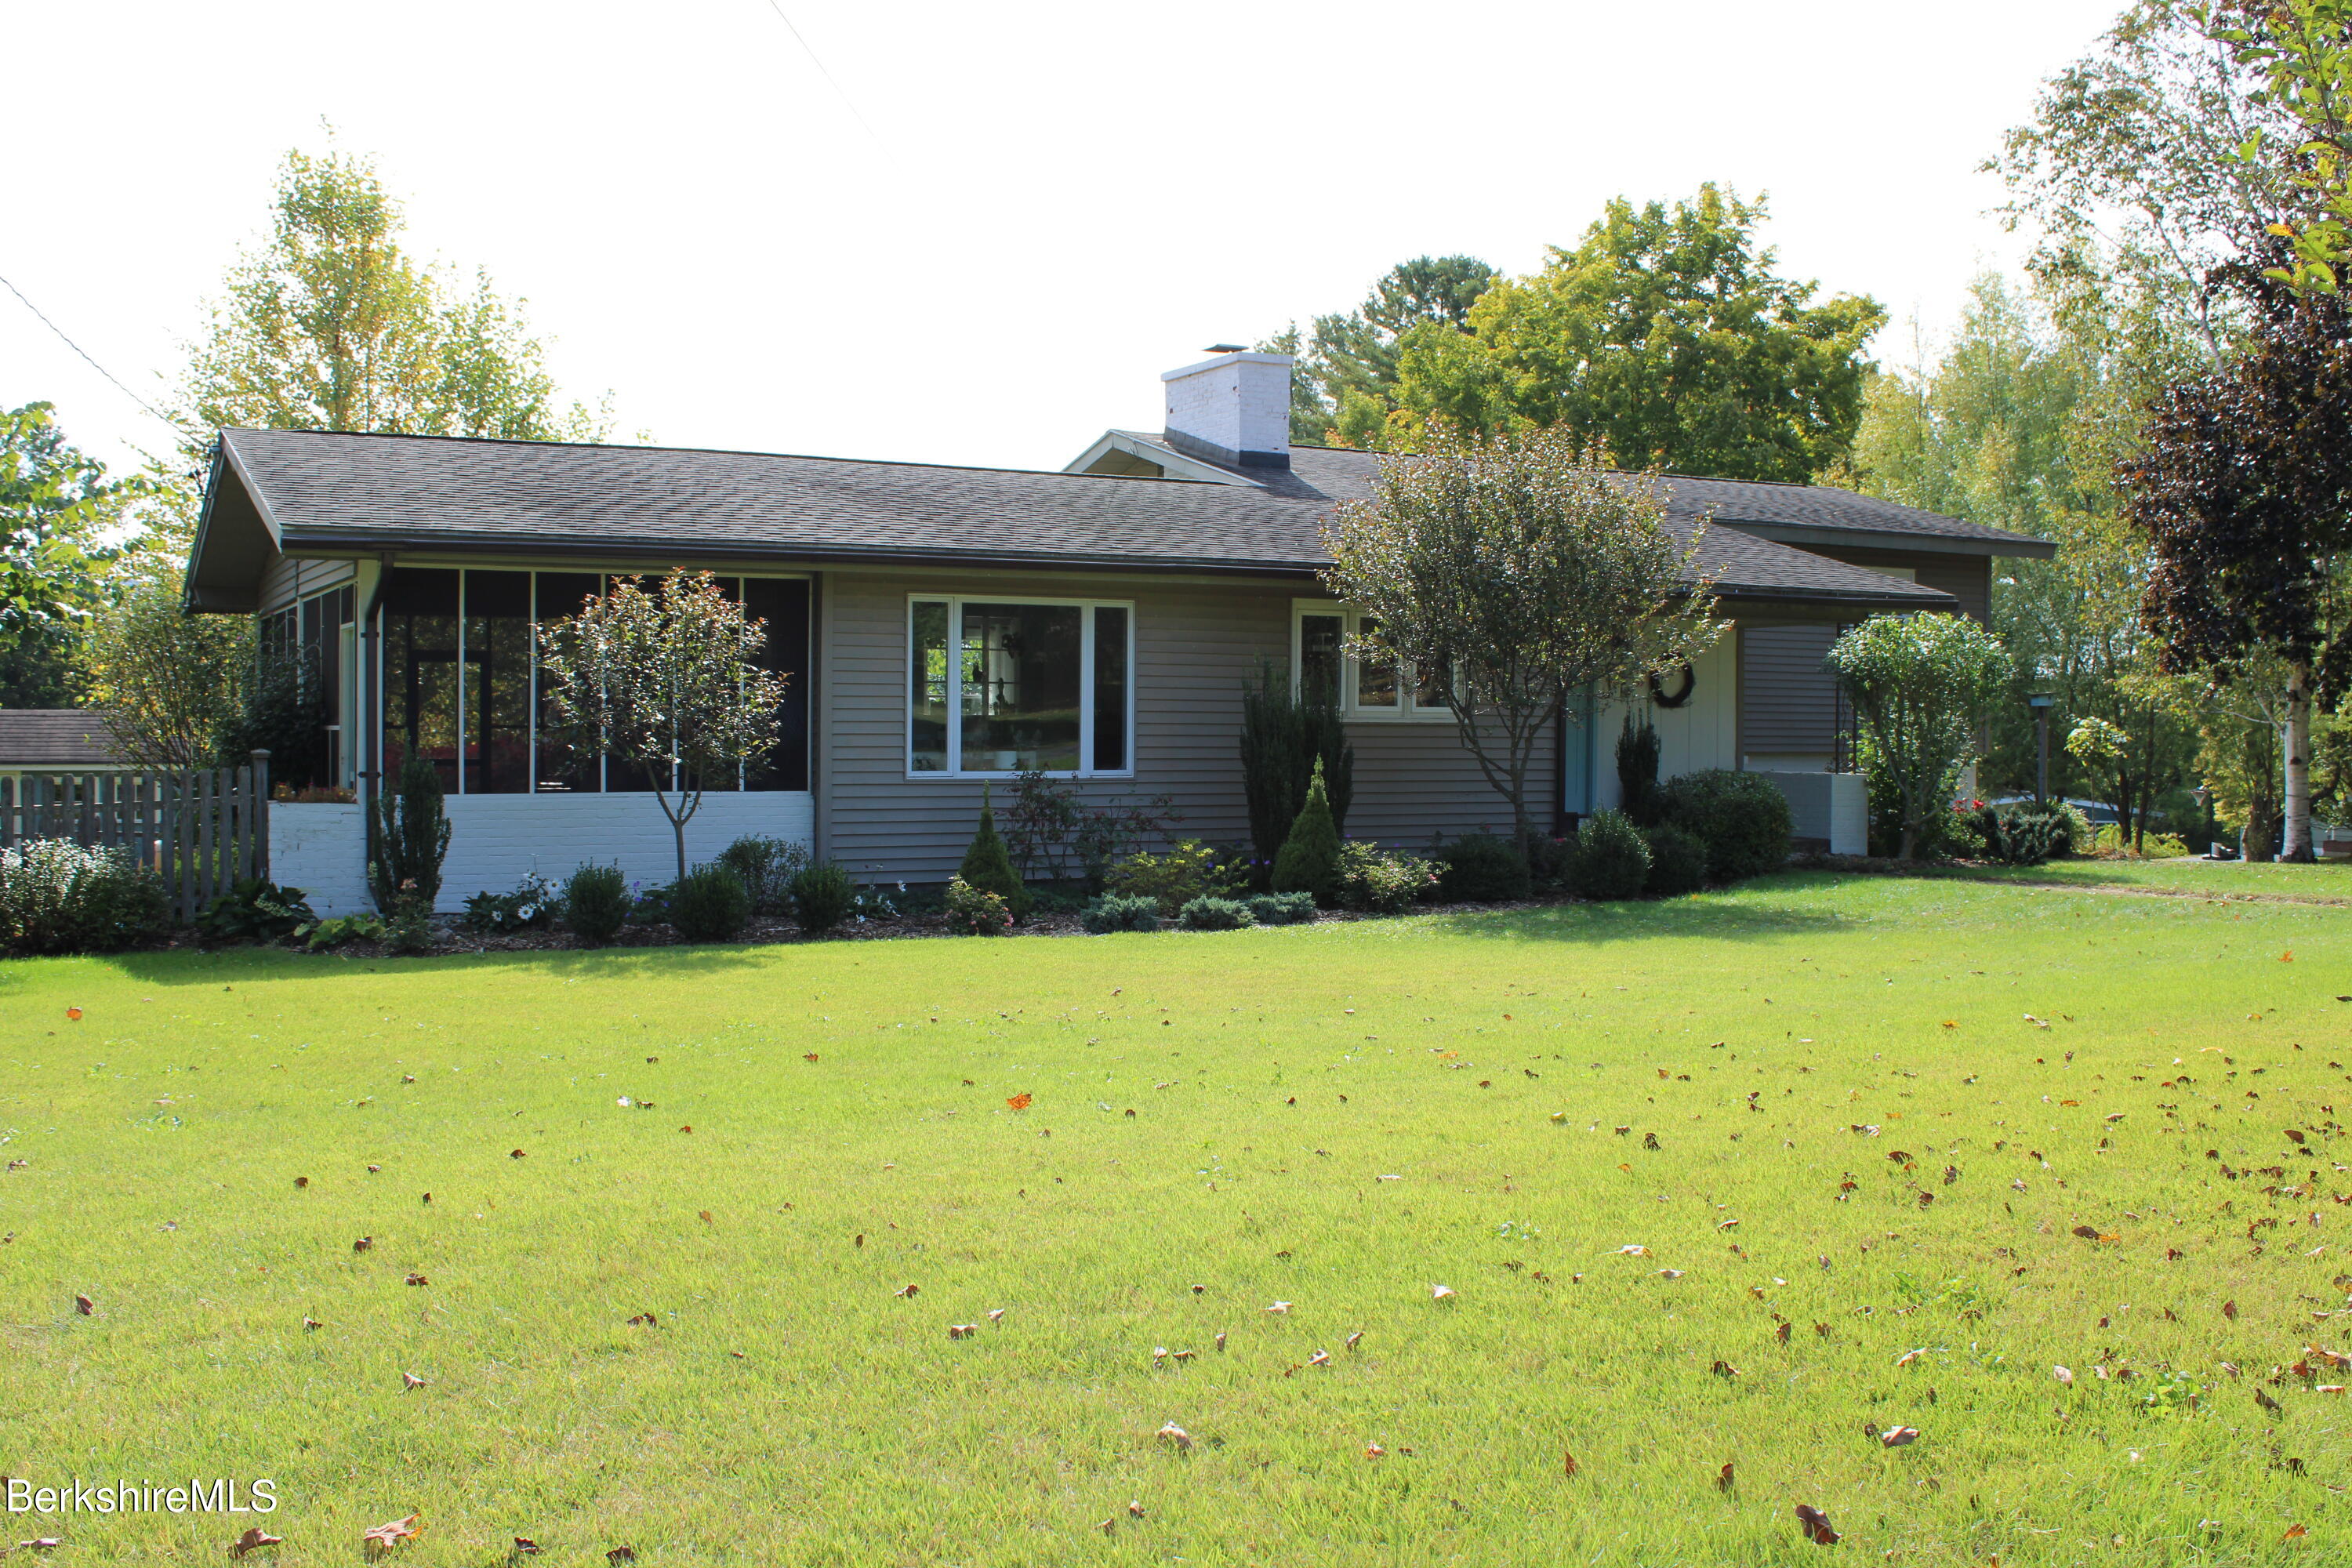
(1309, 859)
(987, 866)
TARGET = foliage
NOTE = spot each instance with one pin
(2302, 51)
(1480, 867)
(284, 714)
(1051, 834)
(1678, 862)
(1551, 864)
(1121, 912)
(532, 906)
(412, 838)
(340, 930)
(1742, 819)
(1381, 881)
(2109, 841)
(2023, 835)
(331, 326)
(1186, 870)
(169, 683)
(1612, 859)
(1281, 909)
(768, 866)
(977, 912)
(60, 522)
(2240, 484)
(1663, 338)
(595, 903)
(255, 910)
(1919, 685)
(1347, 380)
(56, 896)
(822, 897)
(1214, 915)
(1309, 861)
(667, 683)
(987, 868)
(1637, 769)
(1286, 735)
(1528, 573)
(408, 927)
(710, 903)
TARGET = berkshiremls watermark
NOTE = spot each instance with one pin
(220, 1494)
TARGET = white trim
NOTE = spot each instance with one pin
(954, 702)
(1404, 711)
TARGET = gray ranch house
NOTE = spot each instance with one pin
(943, 627)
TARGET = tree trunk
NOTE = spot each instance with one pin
(2296, 733)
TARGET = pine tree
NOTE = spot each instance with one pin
(987, 866)
(1309, 860)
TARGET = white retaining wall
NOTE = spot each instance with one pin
(495, 839)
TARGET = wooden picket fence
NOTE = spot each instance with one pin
(201, 831)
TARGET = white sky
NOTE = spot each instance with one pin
(1054, 203)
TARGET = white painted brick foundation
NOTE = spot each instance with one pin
(1832, 808)
(495, 839)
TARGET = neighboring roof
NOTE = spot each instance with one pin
(315, 492)
(65, 739)
(1788, 514)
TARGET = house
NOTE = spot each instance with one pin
(1106, 615)
(56, 741)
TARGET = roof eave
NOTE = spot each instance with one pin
(1911, 543)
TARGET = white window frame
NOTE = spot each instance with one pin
(1404, 711)
(955, 603)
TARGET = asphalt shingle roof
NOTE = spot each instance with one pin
(321, 490)
(61, 738)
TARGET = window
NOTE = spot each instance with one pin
(1319, 630)
(1004, 686)
(460, 681)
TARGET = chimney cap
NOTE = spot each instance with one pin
(1225, 349)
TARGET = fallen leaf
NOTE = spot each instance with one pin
(1723, 1480)
(1176, 1435)
(1279, 1308)
(1320, 1358)
(811, 1057)
(2062, 1375)
(1019, 1102)
(85, 1306)
(375, 1542)
(301, 1181)
(1818, 1529)
(1568, 1463)
(1373, 1451)
(1724, 1369)
(74, 1013)
(620, 1555)
(524, 1546)
(1135, 1509)
(2230, 1310)
(416, 1278)
(2293, 1531)
(312, 1323)
(908, 1290)
(410, 1380)
(644, 1321)
(252, 1540)
(1440, 1292)
(1636, 1250)
(965, 1331)
(362, 1244)
(1354, 1339)
(1109, 1526)
(1898, 1436)
(1781, 1333)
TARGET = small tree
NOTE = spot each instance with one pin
(1637, 769)
(1308, 861)
(171, 683)
(412, 839)
(1528, 572)
(1286, 735)
(665, 681)
(1919, 684)
(986, 865)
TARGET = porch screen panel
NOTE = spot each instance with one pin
(560, 770)
(498, 682)
(783, 606)
(420, 670)
(1110, 689)
(1021, 674)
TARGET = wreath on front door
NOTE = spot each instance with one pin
(1682, 693)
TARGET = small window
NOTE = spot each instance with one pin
(997, 687)
(1319, 631)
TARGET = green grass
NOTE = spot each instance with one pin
(2326, 881)
(789, 1406)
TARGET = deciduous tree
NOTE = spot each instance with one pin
(1920, 686)
(1524, 570)
(62, 526)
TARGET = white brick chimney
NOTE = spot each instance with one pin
(1234, 409)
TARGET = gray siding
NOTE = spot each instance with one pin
(290, 579)
(1196, 642)
(1785, 702)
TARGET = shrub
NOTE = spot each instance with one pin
(823, 897)
(1677, 861)
(1742, 818)
(1120, 911)
(1482, 868)
(976, 911)
(1383, 881)
(412, 838)
(1051, 832)
(1188, 870)
(1308, 861)
(1214, 915)
(59, 896)
(710, 903)
(2023, 835)
(530, 907)
(1637, 769)
(768, 866)
(408, 925)
(1285, 734)
(1919, 685)
(2080, 835)
(1551, 865)
(340, 929)
(595, 903)
(255, 910)
(1282, 908)
(987, 868)
(1612, 859)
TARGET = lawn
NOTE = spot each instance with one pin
(1871, 1111)
(2327, 881)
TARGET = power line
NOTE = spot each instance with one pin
(86, 360)
(847, 101)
